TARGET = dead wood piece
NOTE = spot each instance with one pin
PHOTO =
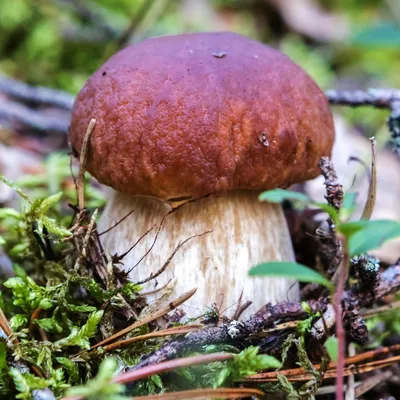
(36, 95)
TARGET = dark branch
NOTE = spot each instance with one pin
(238, 332)
(36, 95)
(17, 115)
(334, 190)
(378, 98)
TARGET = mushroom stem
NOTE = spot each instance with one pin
(243, 233)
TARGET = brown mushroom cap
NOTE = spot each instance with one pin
(199, 114)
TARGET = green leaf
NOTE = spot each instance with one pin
(248, 362)
(349, 205)
(17, 321)
(101, 387)
(306, 307)
(290, 270)
(13, 186)
(49, 202)
(279, 195)
(54, 228)
(81, 308)
(80, 336)
(2, 241)
(45, 304)
(331, 211)
(349, 200)
(14, 283)
(349, 228)
(372, 235)
(9, 213)
(305, 325)
(26, 383)
(20, 383)
(331, 346)
(18, 249)
(71, 368)
(49, 325)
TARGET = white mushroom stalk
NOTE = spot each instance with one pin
(230, 234)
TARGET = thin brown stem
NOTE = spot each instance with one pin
(171, 306)
(116, 224)
(171, 365)
(340, 333)
(181, 330)
(353, 364)
(225, 393)
(5, 325)
(82, 164)
(164, 367)
(369, 205)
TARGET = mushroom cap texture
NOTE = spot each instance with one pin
(197, 114)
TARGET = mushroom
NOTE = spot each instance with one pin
(210, 119)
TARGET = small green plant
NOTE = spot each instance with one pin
(101, 387)
(53, 295)
(359, 236)
(356, 238)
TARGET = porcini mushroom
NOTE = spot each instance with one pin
(214, 118)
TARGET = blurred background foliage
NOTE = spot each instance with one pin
(343, 44)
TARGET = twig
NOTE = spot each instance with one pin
(379, 98)
(354, 365)
(350, 390)
(340, 332)
(371, 382)
(86, 239)
(5, 326)
(331, 249)
(238, 332)
(116, 224)
(123, 255)
(181, 330)
(36, 95)
(154, 240)
(329, 389)
(82, 164)
(300, 375)
(152, 244)
(165, 266)
(14, 113)
(370, 203)
(171, 365)
(171, 306)
(322, 326)
(232, 333)
(379, 310)
(225, 393)
(164, 367)
(35, 315)
(240, 309)
(334, 190)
